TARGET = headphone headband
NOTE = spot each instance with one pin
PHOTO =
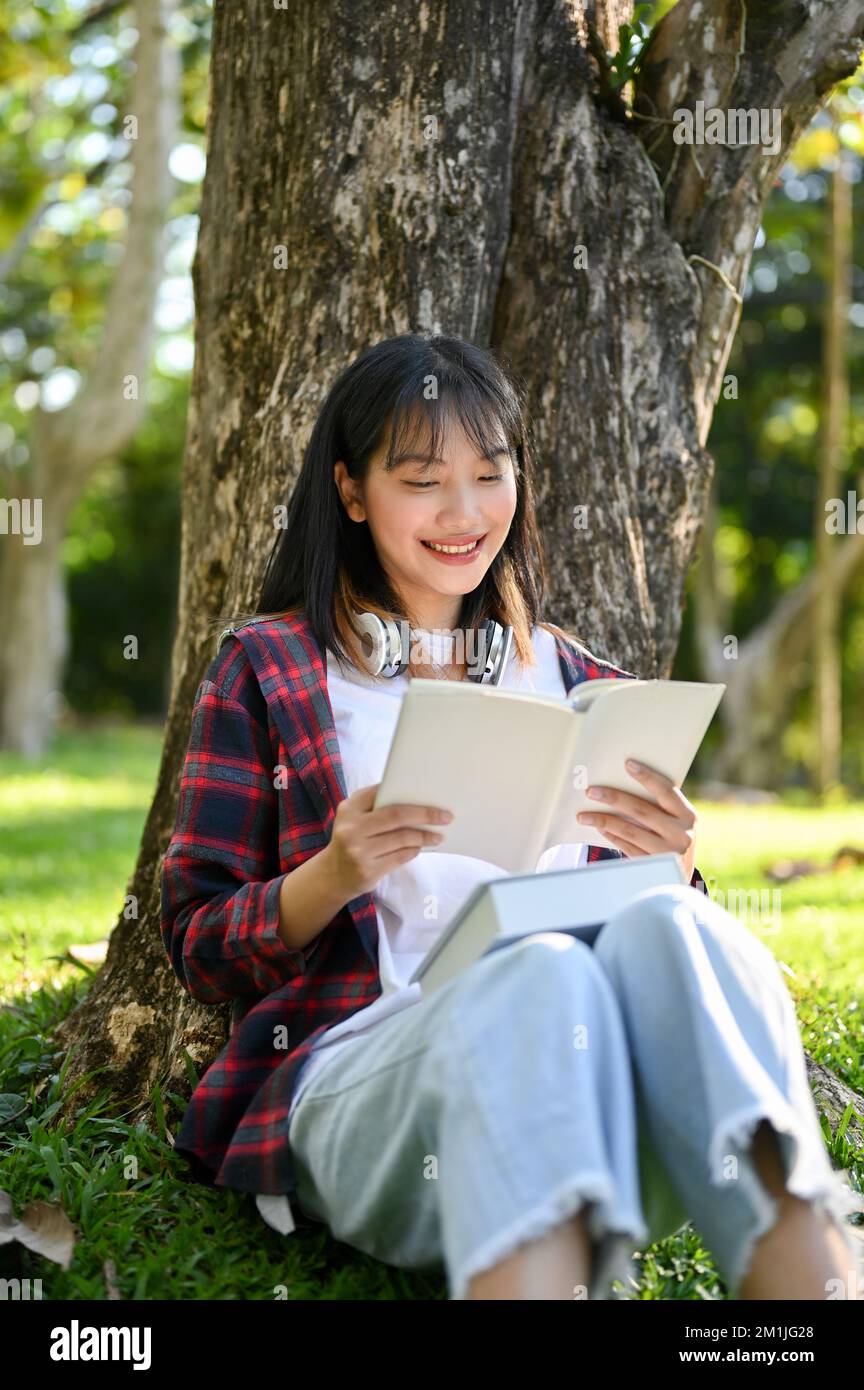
(389, 645)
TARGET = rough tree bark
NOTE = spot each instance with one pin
(66, 445)
(433, 169)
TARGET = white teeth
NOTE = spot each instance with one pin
(453, 549)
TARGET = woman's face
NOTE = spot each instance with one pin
(462, 499)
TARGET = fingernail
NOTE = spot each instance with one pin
(595, 793)
(632, 766)
(585, 819)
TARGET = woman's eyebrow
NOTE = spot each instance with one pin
(427, 463)
(417, 458)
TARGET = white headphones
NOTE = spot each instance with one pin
(385, 653)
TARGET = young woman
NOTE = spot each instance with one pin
(554, 1107)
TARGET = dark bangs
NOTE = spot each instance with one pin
(488, 418)
(402, 395)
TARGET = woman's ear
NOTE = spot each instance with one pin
(349, 491)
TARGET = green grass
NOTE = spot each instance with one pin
(69, 830)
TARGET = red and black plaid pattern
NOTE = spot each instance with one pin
(259, 789)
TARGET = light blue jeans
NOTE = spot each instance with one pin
(627, 1078)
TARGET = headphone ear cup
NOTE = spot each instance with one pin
(503, 648)
(382, 644)
(494, 656)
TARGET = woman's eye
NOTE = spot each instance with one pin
(490, 478)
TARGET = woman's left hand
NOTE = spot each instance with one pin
(645, 828)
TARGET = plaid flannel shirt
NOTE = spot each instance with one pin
(259, 789)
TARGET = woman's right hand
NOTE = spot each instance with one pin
(365, 845)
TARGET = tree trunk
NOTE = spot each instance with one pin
(33, 635)
(423, 170)
(764, 671)
(832, 468)
(66, 445)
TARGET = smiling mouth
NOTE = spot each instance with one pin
(465, 549)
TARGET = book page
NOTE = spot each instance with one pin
(659, 723)
(495, 758)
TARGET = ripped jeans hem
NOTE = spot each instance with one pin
(613, 1244)
(830, 1196)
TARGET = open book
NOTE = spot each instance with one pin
(577, 901)
(513, 767)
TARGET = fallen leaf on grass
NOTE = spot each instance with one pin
(44, 1228)
(89, 952)
(847, 857)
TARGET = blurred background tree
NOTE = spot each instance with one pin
(766, 438)
(92, 276)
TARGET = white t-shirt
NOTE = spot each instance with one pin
(365, 711)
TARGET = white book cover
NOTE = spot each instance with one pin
(578, 901)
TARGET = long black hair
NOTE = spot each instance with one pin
(325, 565)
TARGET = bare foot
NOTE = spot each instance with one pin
(803, 1250)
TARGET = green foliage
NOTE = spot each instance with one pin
(122, 558)
(624, 65)
(65, 172)
(615, 70)
(766, 428)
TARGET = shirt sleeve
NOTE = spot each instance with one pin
(220, 876)
(568, 856)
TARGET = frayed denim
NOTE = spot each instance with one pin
(624, 1080)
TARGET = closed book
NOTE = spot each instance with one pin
(574, 901)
